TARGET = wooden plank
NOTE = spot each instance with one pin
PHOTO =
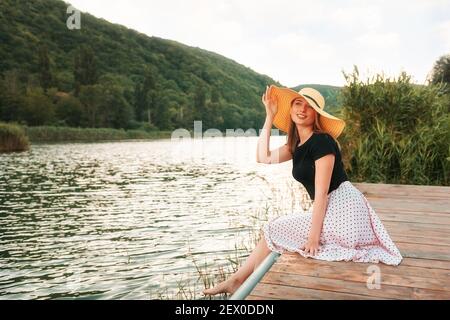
(399, 237)
(423, 227)
(410, 292)
(401, 188)
(418, 205)
(381, 211)
(426, 263)
(414, 218)
(417, 195)
(424, 251)
(295, 293)
(386, 279)
(395, 190)
(345, 286)
(349, 271)
(255, 297)
(411, 200)
(418, 220)
(294, 262)
(414, 231)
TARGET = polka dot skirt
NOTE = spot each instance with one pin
(351, 231)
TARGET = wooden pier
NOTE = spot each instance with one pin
(418, 220)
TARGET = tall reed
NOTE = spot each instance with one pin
(12, 138)
(55, 134)
(396, 131)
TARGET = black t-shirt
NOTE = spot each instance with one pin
(304, 157)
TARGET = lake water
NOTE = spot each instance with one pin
(124, 220)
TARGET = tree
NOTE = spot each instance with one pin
(232, 118)
(145, 93)
(12, 100)
(85, 71)
(38, 108)
(63, 80)
(91, 98)
(45, 75)
(10, 106)
(199, 102)
(105, 106)
(441, 70)
(162, 114)
(70, 110)
(116, 111)
(215, 95)
(212, 117)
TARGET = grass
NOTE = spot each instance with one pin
(13, 138)
(61, 134)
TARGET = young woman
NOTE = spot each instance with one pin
(342, 224)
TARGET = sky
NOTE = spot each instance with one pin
(297, 42)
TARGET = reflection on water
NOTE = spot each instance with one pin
(116, 220)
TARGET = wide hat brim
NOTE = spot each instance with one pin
(282, 120)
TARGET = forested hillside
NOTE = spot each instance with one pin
(106, 75)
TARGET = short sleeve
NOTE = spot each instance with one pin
(323, 145)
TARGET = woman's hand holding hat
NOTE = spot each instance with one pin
(270, 103)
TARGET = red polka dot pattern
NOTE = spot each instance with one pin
(351, 231)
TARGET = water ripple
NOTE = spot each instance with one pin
(117, 220)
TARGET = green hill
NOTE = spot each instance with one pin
(183, 82)
(106, 75)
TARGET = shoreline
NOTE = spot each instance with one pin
(54, 134)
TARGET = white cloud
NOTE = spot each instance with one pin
(363, 17)
(443, 31)
(383, 41)
(301, 48)
(296, 41)
(294, 57)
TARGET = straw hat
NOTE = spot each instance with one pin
(284, 97)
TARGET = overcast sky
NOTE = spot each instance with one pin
(297, 42)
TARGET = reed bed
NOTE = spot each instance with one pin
(61, 134)
(396, 131)
(13, 138)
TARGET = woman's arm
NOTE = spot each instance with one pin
(263, 154)
(324, 170)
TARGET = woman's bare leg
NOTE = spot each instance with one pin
(230, 285)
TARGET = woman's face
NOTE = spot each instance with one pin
(302, 113)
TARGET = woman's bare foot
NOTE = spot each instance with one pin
(228, 286)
